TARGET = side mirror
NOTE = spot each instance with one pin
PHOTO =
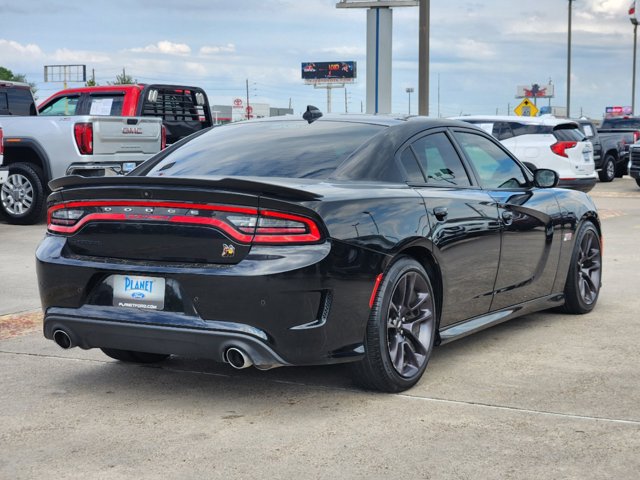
(545, 178)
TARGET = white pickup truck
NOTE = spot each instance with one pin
(39, 149)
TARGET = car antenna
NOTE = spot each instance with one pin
(312, 114)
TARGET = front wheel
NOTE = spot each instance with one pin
(22, 195)
(608, 172)
(134, 357)
(585, 271)
(401, 330)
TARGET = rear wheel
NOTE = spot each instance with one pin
(608, 172)
(22, 195)
(134, 357)
(401, 330)
(585, 271)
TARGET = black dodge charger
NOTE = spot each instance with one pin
(305, 241)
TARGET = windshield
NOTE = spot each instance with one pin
(632, 122)
(287, 148)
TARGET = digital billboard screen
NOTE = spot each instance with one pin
(329, 72)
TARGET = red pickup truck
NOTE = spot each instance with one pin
(184, 110)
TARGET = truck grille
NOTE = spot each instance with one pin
(635, 157)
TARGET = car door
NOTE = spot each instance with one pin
(464, 225)
(530, 219)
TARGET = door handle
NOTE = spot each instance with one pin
(440, 213)
(507, 217)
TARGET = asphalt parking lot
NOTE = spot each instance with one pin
(544, 396)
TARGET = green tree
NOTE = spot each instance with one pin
(124, 79)
(6, 74)
(91, 83)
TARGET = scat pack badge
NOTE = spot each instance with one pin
(228, 250)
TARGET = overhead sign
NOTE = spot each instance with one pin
(535, 90)
(526, 108)
(329, 72)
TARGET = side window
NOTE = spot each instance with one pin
(108, 105)
(408, 161)
(4, 104)
(440, 161)
(20, 102)
(62, 106)
(502, 130)
(495, 168)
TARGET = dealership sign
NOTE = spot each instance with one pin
(617, 111)
(329, 72)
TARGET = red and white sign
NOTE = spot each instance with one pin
(249, 109)
(633, 12)
(237, 103)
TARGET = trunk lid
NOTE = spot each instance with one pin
(113, 135)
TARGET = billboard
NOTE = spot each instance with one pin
(535, 91)
(617, 111)
(329, 72)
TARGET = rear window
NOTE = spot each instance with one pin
(632, 122)
(568, 133)
(106, 104)
(292, 149)
(17, 101)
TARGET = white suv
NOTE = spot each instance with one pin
(545, 142)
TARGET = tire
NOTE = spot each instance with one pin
(608, 172)
(134, 357)
(22, 195)
(399, 336)
(585, 272)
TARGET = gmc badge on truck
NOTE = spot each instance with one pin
(132, 130)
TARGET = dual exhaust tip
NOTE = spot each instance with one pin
(234, 356)
(237, 358)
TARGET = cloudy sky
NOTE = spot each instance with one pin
(480, 49)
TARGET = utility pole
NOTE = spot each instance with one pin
(248, 108)
(423, 58)
(409, 90)
(633, 81)
(569, 63)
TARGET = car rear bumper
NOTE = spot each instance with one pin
(581, 184)
(288, 306)
(94, 327)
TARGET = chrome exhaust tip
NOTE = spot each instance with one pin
(62, 339)
(237, 358)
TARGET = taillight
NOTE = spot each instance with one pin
(559, 148)
(163, 137)
(84, 137)
(242, 224)
(636, 136)
(1, 142)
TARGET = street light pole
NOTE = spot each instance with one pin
(409, 90)
(569, 63)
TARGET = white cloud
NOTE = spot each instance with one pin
(166, 47)
(10, 49)
(196, 68)
(344, 51)
(215, 49)
(79, 56)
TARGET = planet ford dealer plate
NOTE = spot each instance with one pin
(138, 292)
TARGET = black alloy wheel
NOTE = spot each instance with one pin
(401, 330)
(608, 172)
(585, 272)
(134, 357)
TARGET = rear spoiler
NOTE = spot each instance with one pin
(236, 184)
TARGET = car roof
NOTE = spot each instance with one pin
(9, 83)
(542, 120)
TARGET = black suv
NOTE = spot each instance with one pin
(16, 99)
